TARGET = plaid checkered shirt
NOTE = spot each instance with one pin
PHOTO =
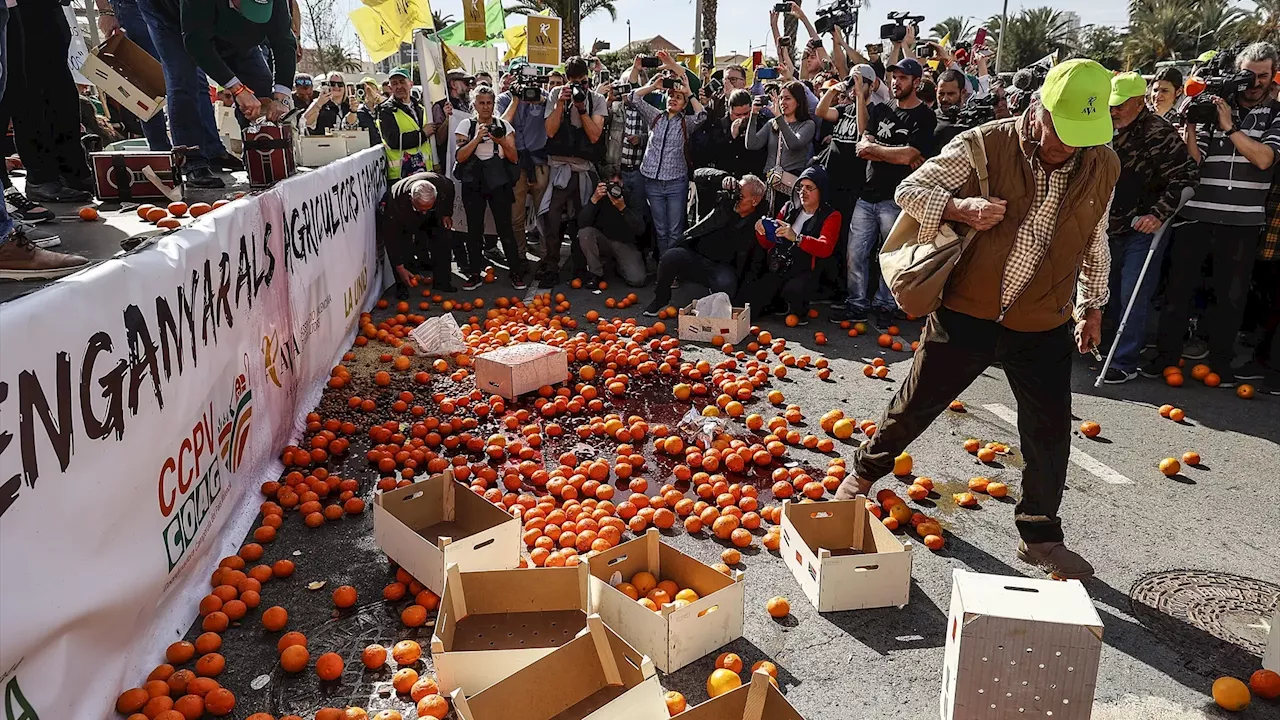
(633, 155)
(926, 192)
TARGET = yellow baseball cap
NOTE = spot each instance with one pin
(1127, 85)
(1073, 93)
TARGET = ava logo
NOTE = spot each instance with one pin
(1089, 109)
(278, 357)
(475, 7)
(544, 34)
(233, 438)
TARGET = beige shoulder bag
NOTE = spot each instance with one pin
(916, 269)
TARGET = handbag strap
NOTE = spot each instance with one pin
(977, 149)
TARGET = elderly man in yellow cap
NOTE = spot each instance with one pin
(1040, 252)
(1155, 167)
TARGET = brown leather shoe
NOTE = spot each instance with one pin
(20, 259)
(1056, 559)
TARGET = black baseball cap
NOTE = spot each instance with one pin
(908, 66)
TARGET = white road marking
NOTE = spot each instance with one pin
(1079, 457)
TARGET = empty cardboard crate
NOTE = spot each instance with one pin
(317, 150)
(700, 328)
(495, 622)
(517, 369)
(433, 523)
(127, 73)
(674, 636)
(595, 676)
(1019, 648)
(757, 700)
(843, 556)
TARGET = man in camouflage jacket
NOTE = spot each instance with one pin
(1155, 167)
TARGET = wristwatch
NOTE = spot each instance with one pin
(1234, 129)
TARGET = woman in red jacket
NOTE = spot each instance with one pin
(802, 233)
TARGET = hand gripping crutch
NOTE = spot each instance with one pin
(1124, 319)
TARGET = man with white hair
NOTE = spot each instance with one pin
(412, 229)
(1027, 291)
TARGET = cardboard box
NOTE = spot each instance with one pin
(700, 328)
(436, 522)
(517, 369)
(317, 150)
(493, 623)
(127, 73)
(1271, 658)
(673, 637)
(757, 700)
(1019, 648)
(843, 556)
(595, 676)
(356, 140)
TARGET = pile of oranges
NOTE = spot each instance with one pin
(653, 593)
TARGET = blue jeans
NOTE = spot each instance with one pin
(190, 111)
(6, 222)
(667, 201)
(1128, 252)
(868, 228)
(633, 183)
(135, 26)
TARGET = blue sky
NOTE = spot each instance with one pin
(744, 24)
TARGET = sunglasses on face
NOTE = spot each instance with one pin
(302, 83)
(336, 84)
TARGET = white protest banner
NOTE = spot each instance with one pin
(135, 430)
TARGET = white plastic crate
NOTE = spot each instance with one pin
(1019, 648)
(843, 557)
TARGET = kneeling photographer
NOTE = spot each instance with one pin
(793, 243)
(1233, 131)
(715, 250)
(610, 225)
(487, 169)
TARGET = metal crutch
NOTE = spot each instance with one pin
(1124, 319)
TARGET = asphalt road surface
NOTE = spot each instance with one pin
(1141, 530)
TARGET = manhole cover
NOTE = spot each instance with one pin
(303, 694)
(1208, 615)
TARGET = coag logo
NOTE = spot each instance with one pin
(234, 436)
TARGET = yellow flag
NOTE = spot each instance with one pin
(945, 41)
(517, 42)
(689, 60)
(749, 68)
(451, 59)
(381, 36)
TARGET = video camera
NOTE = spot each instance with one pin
(978, 111)
(896, 31)
(841, 14)
(1220, 79)
(527, 85)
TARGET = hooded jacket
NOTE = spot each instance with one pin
(818, 235)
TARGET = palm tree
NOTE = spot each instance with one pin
(1265, 24)
(1173, 29)
(709, 26)
(336, 57)
(1032, 34)
(564, 9)
(441, 20)
(959, 28)
(1104, 44)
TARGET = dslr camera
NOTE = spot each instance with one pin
(1221, 79)
(841, 13)
(613, 189)
(896, 31)
(527, 85)
(497, 130)
(729, 192)
(578, 92)
(671, 82)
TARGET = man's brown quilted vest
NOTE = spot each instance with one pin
(974, 287)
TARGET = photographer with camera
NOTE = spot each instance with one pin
(458, 83)
(523, 105)
(895, 139)
(666, 161)
(1154, 169)
(787, 138)
(803, 233)
(714, 252)
(574, 123)
(610, 225)
(625, 143)
(1233, 131)
(814, 58)
(487, 166)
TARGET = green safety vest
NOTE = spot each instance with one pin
(405, 124)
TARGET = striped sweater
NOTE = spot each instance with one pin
(1232, 191)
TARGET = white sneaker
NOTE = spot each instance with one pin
(40, 238)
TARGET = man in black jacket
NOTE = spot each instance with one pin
(610, 225)
(713, 252)
(225, 39)
(721, 142)
(409, 218)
